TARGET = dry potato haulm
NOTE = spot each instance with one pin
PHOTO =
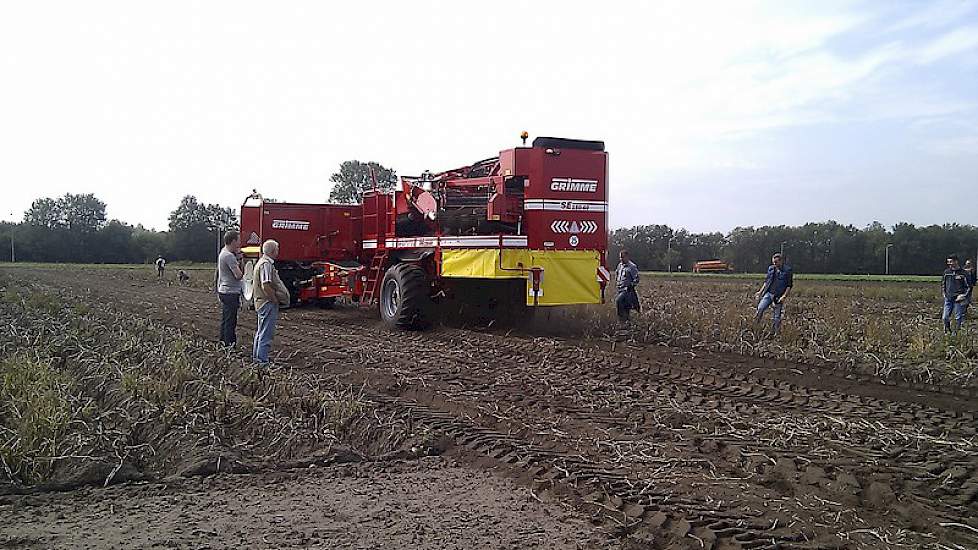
(725, 435)
(455, 364)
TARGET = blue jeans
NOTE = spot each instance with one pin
(955, 308)
(230, 304)
(767, 301)
(267, 317)
(627, 299)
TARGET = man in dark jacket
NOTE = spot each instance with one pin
(969, 267)
(774, 291)
(626, 277)
(956, 288)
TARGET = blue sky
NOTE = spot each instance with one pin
(716, 114)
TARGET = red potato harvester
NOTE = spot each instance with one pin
(528, 228)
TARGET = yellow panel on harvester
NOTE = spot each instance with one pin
(568, 276)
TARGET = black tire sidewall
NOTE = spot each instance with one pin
(414, 301)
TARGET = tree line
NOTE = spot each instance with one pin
(825, 247)
(74, 228)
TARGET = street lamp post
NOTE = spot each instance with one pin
(782, 247)
(669, 253)
(828, 252)
(888, 258)
(13, 258)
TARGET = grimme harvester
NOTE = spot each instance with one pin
(527, 228)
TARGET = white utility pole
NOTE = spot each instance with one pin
(13, 258)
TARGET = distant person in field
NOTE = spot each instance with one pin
(229, 276)
(969, 267)
(774, 291)
(183, 276)
(626, 278)
(269, 293)
(160, 266)
(956, 288)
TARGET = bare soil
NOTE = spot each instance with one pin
(428, 503)
(668, 448)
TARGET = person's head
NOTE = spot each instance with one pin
(232, 240)
(777, 260)
(623, 255)
(270, 248)
(952, 261)
(968, 264)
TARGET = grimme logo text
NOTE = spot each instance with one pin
(290, 224)
(570, 184)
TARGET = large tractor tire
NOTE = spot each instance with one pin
(405, 297)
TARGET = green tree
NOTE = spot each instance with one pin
(354, 177)
(82, 212)
(43, 212)
(148, 244)
(113, 244)
(7, 235)
(195, 229)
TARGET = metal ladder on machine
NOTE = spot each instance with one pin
(371, 287)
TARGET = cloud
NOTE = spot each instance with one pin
(956, 42)
(934, 15)
(966, 145)
(218, 98)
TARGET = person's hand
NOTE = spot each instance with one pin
(781, 300)
(961, 298)
(757, 295)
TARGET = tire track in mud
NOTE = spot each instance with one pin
(592, 394)
(853, 455)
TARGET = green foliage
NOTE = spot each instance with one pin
(88, 390)
(354, 177)
(826, 247)
(72, 229)
(195, 229)
(79, 213)
(34, 416)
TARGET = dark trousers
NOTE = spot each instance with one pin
(230, 303)
(627, 299)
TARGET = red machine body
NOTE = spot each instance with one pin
(545, 204)
(305, 232)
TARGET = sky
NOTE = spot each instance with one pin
(715, 114)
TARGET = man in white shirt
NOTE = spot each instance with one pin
(270, 292)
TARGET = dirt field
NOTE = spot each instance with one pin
(424, 504)
(548, 442)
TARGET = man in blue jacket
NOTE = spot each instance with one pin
(956, 287)
(774, 291)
